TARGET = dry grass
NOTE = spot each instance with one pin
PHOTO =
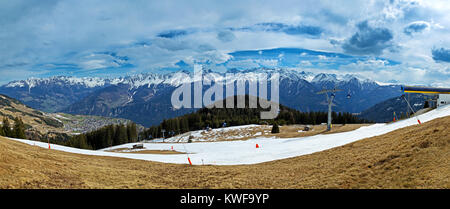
(288, 131)
(292, 131)
(131, 151)
(412, 157)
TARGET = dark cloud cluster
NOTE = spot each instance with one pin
(287, 29)
(368, 40)
(441, 55)
(415, 27)
(172, 33)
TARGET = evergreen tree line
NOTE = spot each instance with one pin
(16, 131)
(104, 137)
(216, 117)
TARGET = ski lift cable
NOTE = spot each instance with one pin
(409, 105)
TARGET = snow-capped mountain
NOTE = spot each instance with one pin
(145, 98)
(58, 80)
(322, 77)
(176, 79)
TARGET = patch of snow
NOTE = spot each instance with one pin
(385, 84)
(61, 117)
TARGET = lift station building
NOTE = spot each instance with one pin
(443, 94)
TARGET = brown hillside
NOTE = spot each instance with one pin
(39, 124)
(36, 122)
(412, 157)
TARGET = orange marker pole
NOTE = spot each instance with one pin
(48, 143)
(189, 159)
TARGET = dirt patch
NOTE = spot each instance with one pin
(297, 130)
(288, 131)
(393, 160)
(133, 151)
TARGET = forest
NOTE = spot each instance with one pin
(15, 131)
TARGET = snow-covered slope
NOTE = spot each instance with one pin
(244, 152)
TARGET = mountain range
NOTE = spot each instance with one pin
(145, 98)
(384, 111)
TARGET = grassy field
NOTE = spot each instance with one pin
(413, 157)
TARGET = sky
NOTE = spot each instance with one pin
(405, 41)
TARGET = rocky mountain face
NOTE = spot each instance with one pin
(145, 98)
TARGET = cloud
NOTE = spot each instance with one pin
(173, 33)
(441, 55)
(368, 40)
(404, 73)
(322, 57)
(416, 27)
(335, 42)
(58, 36)
(285, 28)
(242, 64)
(226, 36)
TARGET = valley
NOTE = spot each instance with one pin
(145, 98)
(41, 125)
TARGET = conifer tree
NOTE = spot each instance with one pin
(19, 128)
(7, 128)
(121, 134)
(1, 131)
(275, 128)
(132, 132)
(109, 135)
(83, 142)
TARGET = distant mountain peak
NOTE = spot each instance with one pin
(61, 80)
(322, 77)
(174, 79)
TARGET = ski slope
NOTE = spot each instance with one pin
(244, 152)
